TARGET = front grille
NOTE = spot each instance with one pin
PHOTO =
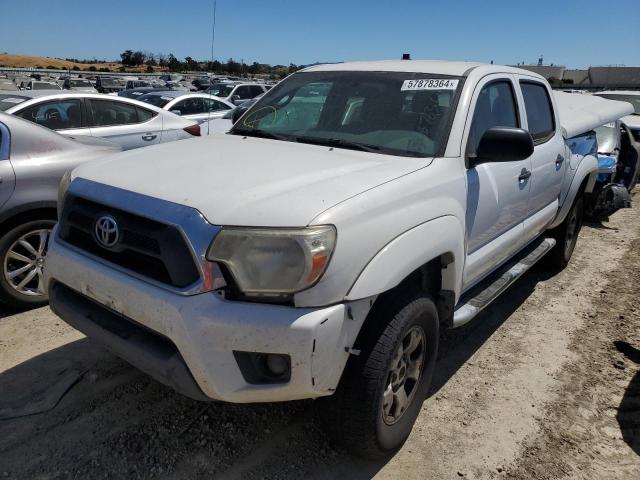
(147, 247)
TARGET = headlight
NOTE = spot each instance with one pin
(62, 191)
(274, 261)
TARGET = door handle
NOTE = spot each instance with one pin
(524, 175)
(559, 160)
(147, 137)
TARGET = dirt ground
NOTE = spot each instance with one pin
(545, 384)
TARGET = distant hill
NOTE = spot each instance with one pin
(26, 61)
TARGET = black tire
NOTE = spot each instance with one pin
(355, 416)
(8, 294)
(566, 236)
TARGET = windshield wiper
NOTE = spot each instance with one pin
(340, 143)
(260, 134)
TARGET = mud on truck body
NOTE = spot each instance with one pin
(318, 249)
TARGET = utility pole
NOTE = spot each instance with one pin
(213, 30)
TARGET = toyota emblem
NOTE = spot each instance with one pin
(106, 231)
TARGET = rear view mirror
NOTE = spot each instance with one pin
(503, 144)
(177, 112)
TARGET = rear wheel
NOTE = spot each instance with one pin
(22, 256)
(382, 390)
(566, 235)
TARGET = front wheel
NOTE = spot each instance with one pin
(382, 390)
(22, 255)
(566, 235)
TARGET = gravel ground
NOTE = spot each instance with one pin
(545, 384)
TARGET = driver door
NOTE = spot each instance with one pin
(497, 193)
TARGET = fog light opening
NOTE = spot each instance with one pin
(276, 365)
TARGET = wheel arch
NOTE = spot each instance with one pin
(429, 257)
(26, 213)
(583, 182)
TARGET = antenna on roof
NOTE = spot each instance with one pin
(406, 56)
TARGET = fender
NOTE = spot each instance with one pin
(586, 168)
(408, 251)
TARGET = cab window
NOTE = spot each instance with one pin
(537, 105)
(495, 107)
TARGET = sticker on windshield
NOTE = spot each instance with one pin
(429, 84)
(13, 100)
(166, 98)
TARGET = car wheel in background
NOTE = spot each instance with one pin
(22, 256)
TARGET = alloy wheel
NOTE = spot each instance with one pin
(404, 375)
(24, 262)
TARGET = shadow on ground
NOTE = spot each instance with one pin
(102, 418)
(628, 415)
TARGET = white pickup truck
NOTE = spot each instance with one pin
(318, 249)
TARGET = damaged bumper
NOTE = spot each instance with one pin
(203, 345)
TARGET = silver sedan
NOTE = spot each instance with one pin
(33, 159)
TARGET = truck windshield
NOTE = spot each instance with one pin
(397, 113)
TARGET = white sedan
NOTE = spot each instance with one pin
(125, 121)
(199, 107)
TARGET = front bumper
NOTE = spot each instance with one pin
(205, 330)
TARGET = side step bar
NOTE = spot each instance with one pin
(474, 301)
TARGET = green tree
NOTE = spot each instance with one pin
(126, 57)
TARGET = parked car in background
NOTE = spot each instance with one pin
(193, 106)
(618, 169)
(616, 148)
(223, 124)
(109, 85)
(633, 97)
(136, 84)
(138, 92)
(179, 86)
(41, 85)
(33, 159)
(318, 249)
(201, 83)
(78, 85)
(130, 123)
(236, 93)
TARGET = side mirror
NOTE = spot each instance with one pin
(177, 112)
(503, 144)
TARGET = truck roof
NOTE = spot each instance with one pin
(441, 67)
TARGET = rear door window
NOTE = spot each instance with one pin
(539, 111)
(56, 115)
(107, 113)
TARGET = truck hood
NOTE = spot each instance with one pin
(234, 180)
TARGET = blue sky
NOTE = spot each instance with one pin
(571, 33)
